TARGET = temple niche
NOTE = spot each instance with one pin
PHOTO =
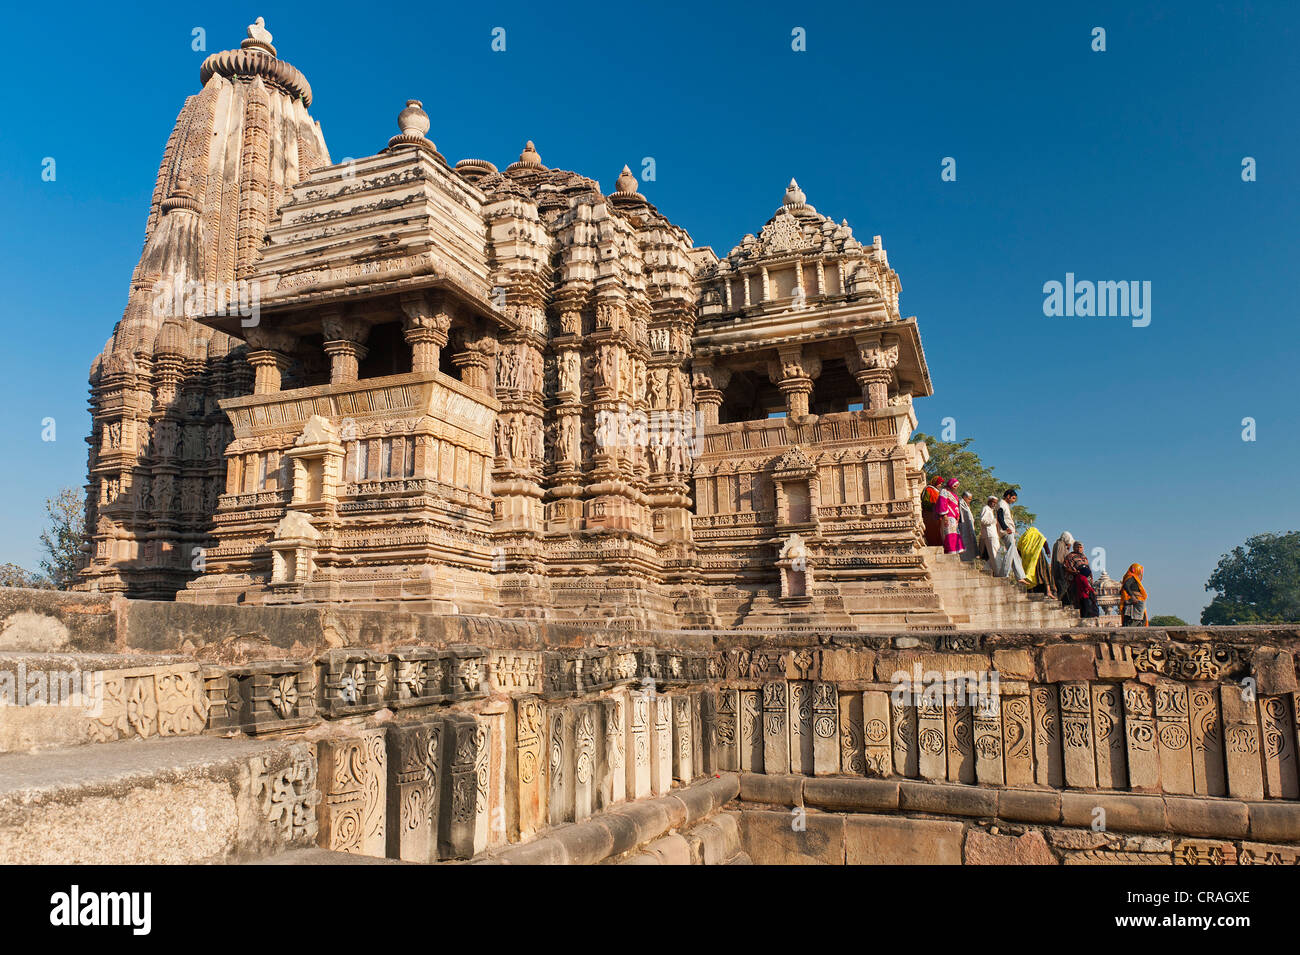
(460, 388)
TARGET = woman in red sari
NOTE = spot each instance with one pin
(950, 517)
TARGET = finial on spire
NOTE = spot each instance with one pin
(181, 196)
(259, 37)
(413, 122)
(529, 156)
(627, 183)
(794, 196)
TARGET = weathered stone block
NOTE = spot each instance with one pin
(851, 795)
(845, 665)
(1274, 671)
(947, 800)
(588, 723)
(771, 838)
(661, 744)
(779, 790)
(683, 755)
(1224, 818)
(1028, 805)
(1275, 821)
(1068, 663)
(1030, 848)
(1014, 664)
(893, 840)
(1113, 812)
(638, 742)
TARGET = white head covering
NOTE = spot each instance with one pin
(1068, 538)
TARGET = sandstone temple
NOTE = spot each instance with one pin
(456, 388)
(457, 513)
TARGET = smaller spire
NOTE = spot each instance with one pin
(475, 169)
(259, 37)
(528, 160)
(794, 196)
(413, 123)
(181, 197)
(626, 183)
(529, 156)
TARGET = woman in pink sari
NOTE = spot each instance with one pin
(949, 509)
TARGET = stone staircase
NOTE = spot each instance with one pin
(976, 600)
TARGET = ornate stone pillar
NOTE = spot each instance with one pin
(873, 367)
(343, 338)
(425, 329)
(268, 370)
(269, 359)
(709, 381)
(475, 362)
(793, 373)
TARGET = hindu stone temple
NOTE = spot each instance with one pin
(451, 513)
(470, 389)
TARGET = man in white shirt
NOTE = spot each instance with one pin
(1006, 521)
(989, 531)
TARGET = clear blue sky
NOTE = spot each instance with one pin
(1122, 165)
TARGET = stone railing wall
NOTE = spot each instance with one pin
(1143, 714)
(420, 744)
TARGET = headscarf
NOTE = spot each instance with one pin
(1067, 537)
(930, 495)
(952, 484)
(1135, 572)
(1030, 546)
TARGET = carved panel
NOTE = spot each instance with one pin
(353, 778)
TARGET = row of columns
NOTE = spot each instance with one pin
(426, 328)
(872, 362)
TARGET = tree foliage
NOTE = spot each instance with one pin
(1259, 582)
(953, 459)
(64, 538)
(1167, 620)
(11, 575)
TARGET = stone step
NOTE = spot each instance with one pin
(974, 599)
(157, 802)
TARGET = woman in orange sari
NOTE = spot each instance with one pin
(1133, 598)
(930, 511)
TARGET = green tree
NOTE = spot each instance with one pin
(953, 459)
(64, 538)
(1259, 582)
(11, 575)
(1167, 620)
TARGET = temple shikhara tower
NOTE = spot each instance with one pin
(458, 388)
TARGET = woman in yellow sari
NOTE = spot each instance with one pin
(1037, 571)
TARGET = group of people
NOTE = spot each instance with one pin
(1063, 571)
